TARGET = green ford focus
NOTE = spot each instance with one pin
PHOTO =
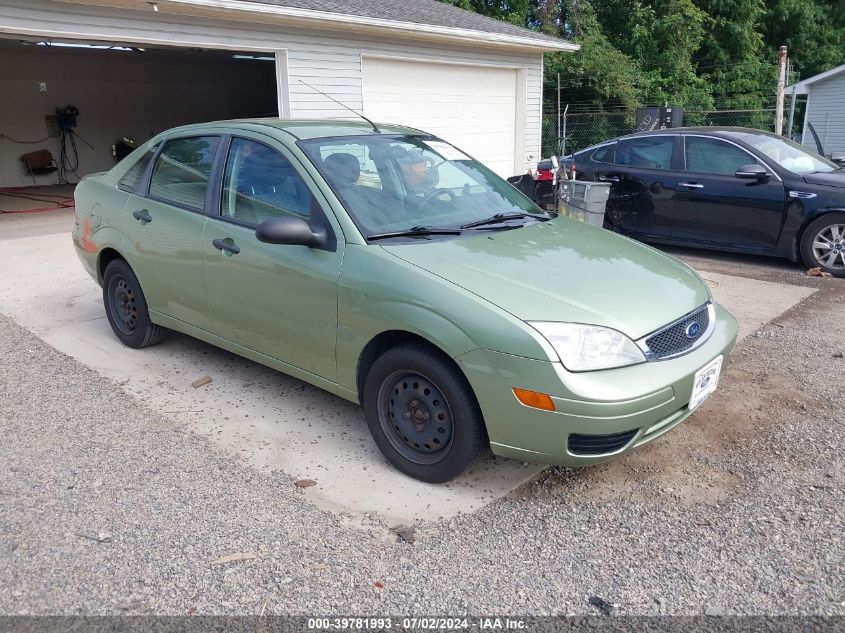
(386, 266)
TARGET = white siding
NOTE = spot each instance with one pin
(826, 111)
(472, 107)
(329, 60)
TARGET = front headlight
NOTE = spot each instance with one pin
(588, 347)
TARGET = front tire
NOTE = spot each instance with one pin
(126, 307)
(422, 414)
(823, 244)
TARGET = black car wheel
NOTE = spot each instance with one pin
(423, 414)
(126, 307)
(823, 244)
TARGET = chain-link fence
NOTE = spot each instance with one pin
(583, 129)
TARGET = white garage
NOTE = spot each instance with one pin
(472, 106)
(475, 81)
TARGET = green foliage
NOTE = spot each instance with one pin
(699, 54)
(813, 31)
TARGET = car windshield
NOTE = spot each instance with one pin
(788, 154)
(399, 183)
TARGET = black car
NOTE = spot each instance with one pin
(731, 189)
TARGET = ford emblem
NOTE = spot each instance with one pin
(692, 330)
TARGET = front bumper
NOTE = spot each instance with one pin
(649, 399)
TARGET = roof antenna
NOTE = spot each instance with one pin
(375, 127)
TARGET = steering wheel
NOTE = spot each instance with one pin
(434, 193)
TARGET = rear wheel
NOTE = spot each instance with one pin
(423, 414)
(823, 244)
(126, 307)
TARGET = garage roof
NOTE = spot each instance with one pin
(431, 12)
(801, 86)
(409, 18)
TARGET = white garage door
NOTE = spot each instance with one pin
(472, 107)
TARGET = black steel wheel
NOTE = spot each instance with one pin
(122, 304)
(415, 417)
(423, 414)
(126, 307)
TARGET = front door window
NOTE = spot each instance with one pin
(260, 183)
(711, 156)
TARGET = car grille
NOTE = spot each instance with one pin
(675, 339)
(599, 444)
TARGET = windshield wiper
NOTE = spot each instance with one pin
(503, 217)
(415, 231)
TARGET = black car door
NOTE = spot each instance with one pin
(713, 206)
(643, 185)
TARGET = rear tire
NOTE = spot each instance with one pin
(823, 244)
(126, 307)
(422, 413)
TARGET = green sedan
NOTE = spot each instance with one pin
(386, 266)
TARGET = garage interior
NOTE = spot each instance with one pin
(79, 100)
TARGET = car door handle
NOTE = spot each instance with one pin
(143, 216)
(691, 185)
(226, 246)
(604, 178)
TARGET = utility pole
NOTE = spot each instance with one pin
(781, 86)
(794, 82)
(558, 105)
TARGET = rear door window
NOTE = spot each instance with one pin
(712, 156)
(604, 154)
(652, 152)
(134, 175)
(181, 172)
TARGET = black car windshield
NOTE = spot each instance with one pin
(392, 183)
(788, 154)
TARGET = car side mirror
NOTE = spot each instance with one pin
(838, 158)
(752, 172)
(292, 231)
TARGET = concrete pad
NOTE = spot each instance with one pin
(753, 303)
(269, 419)
(265, 417)
(15, 225)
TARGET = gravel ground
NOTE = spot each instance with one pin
(105, 507)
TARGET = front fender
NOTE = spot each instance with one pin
(361, 323)
(799, 214)
(379, 292)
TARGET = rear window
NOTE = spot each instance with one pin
(181, 171)
(132, 178)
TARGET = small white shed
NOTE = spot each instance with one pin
(135, 67)
(825, 109)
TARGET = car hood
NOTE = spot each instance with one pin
(564, 270)
(831, 179)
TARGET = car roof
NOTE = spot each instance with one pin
(725, 132)
(719, 132)
(305, 128)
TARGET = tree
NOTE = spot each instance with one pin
(599, 75)
(698, 54)
(812, 30)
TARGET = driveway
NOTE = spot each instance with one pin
(122, 487)
(269, 419)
